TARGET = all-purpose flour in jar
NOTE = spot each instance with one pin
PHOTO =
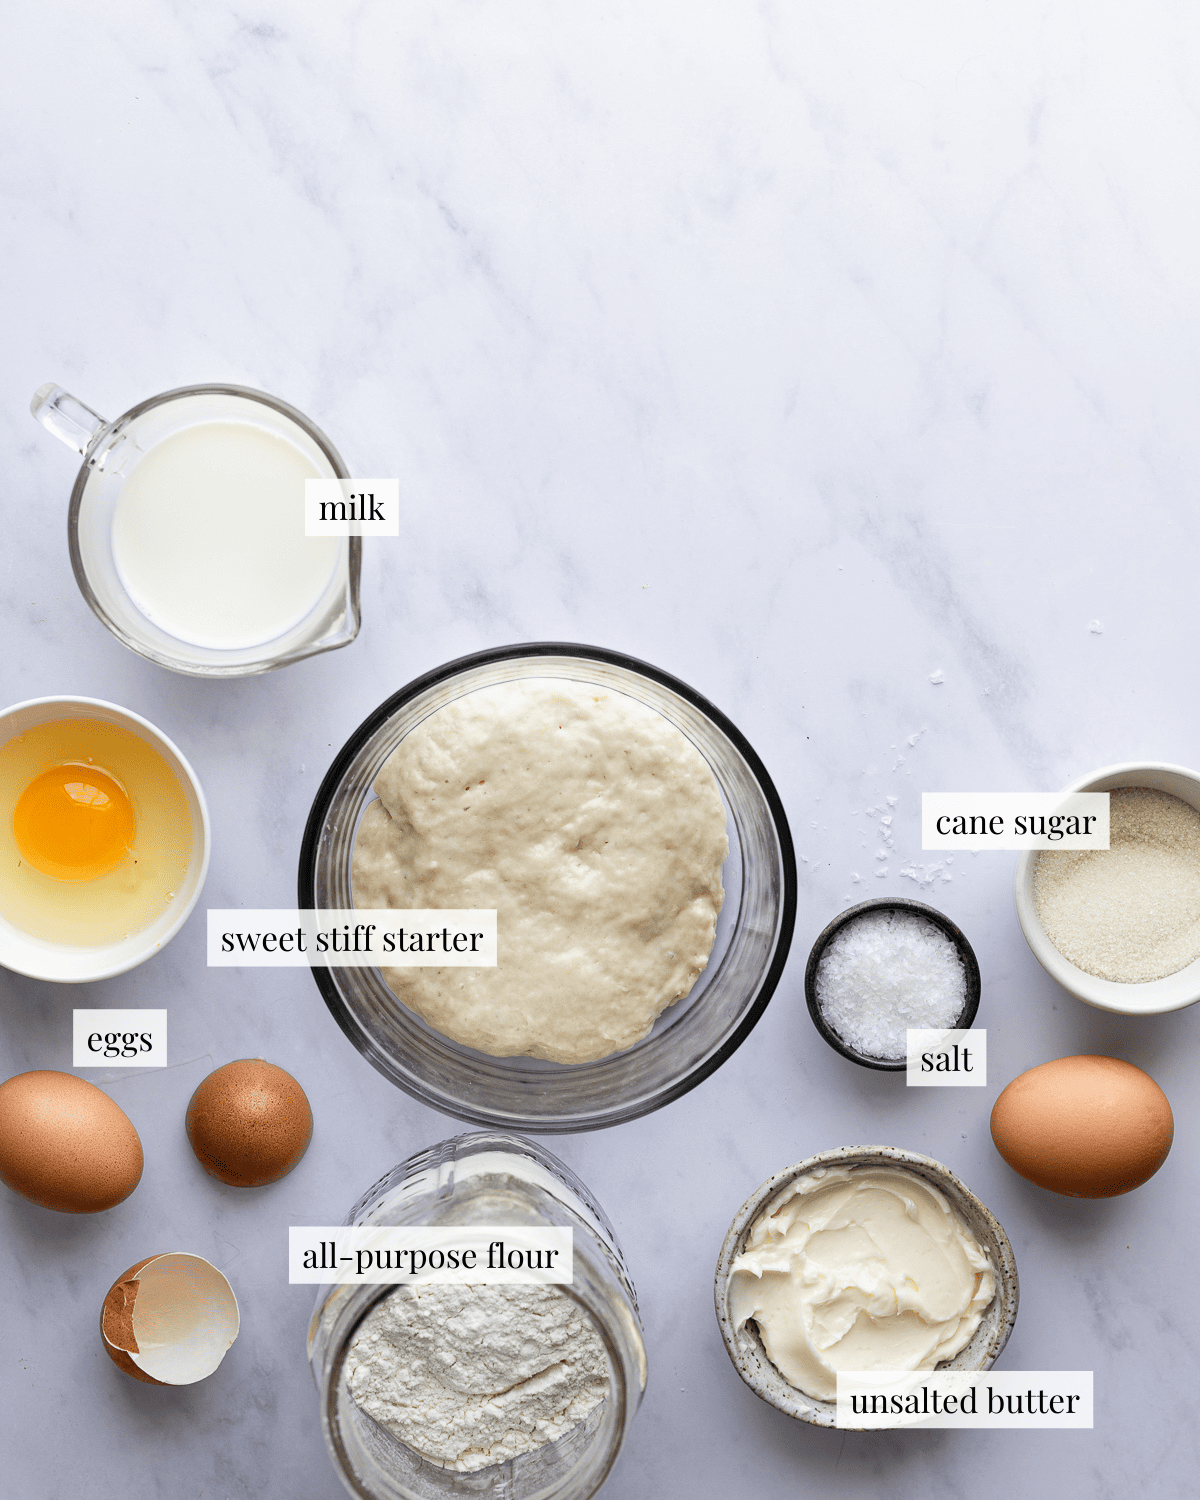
(435, 1389)
(470, 1376)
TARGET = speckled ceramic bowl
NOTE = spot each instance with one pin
(1174, 991)
(745, 1347)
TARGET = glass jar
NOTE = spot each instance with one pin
(484, 1178)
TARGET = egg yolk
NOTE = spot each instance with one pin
(74, 822)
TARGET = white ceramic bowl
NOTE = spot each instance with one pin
(745, 1348)
(1172, 993)
(66, 963)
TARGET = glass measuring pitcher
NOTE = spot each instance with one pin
(186, 529)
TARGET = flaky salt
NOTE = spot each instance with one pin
(884, 972)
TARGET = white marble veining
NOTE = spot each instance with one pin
(806, 351)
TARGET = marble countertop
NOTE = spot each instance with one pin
(809, 352)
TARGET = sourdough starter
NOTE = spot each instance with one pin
(593, 827)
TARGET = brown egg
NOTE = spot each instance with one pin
(65, 1144)
(1089, 1127)
(249, 1123)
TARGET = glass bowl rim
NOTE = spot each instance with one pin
(374, 721)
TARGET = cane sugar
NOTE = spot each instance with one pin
(1129, 913)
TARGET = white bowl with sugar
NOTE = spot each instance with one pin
(1131, 910)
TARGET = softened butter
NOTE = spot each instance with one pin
(859, 1268)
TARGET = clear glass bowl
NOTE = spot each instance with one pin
(486, 1178)
(691, 1039)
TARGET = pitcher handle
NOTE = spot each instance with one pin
(66, 417)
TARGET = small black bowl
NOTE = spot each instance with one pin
(885, 903)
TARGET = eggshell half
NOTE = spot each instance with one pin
(169, 1320)
(1087, 1127)
(249, 1123)
(65, 1144)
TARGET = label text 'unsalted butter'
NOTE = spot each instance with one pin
(964, 1398)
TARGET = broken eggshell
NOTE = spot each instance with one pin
(169, 1320)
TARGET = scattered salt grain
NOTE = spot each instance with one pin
(884, 972)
